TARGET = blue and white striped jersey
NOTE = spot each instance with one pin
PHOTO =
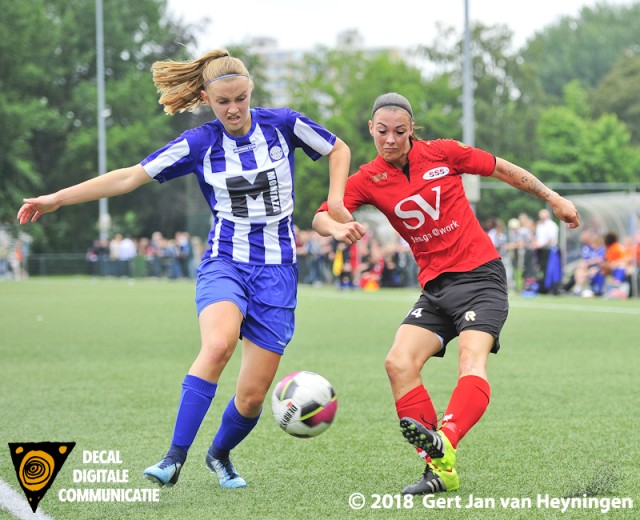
(247, 181)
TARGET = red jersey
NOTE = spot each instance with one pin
(428, 206)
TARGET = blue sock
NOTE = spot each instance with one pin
(194, 403)
(233, 429)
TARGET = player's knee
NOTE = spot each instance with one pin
(399, 367)
(215, 352)
(249, 403)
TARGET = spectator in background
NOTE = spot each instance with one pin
(102, 250)
(371, 267)
(183, 250)
(16, 258)
(614, 267)
(92, 258)
(314, 259)
(500, 240)
(406, 263)
(527, 234)
(158, 252)
(145, 252)
(326, 258)
(345, 259)
(546, 245)
(395, 265)
(127, 251)
(114, 255)
(587, 279)
(515, 252)
(5, 240)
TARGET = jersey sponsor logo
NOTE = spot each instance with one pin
(244, 148)
(435, 173)
(265, 184)
(276, 153)
(415, 208)
(435, 232)
(470, 316)
(379, 177)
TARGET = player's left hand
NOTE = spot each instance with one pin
(566, 211)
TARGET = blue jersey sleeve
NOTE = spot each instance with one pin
(302, 132)
(175, 159)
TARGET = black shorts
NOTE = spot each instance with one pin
(453, 302)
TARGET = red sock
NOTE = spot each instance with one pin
(417, 404)
(468, 403)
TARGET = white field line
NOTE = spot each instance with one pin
(17, 505)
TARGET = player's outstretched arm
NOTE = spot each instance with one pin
(116, 182)
(339, 160)
(520, 178)
(349, 232)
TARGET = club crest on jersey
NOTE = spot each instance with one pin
(276, 153)
(436, 173)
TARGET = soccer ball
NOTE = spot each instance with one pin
(304, 404)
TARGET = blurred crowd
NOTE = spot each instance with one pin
(530, 251)
(321, 261)
(14, 252)
(369, 264)
(604, 265)
(158, 256)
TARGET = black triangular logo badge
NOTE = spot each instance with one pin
(36, 465)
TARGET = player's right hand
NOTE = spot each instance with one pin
(34, 208)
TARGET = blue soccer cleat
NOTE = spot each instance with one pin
(165, 472)
(226, 472)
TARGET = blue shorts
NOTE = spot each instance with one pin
(265, 294)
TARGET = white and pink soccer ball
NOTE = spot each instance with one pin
(304, 404)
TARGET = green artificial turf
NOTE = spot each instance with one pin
(100, 362)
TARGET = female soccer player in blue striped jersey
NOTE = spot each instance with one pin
(247, 280)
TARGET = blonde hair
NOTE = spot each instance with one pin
(180, 82)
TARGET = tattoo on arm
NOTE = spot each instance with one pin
(525, 181)
(540, 190)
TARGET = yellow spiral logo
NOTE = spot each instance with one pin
(37, 464)
(36, 469)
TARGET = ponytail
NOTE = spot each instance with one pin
(180, 83)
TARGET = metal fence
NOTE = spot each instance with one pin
(48, 264)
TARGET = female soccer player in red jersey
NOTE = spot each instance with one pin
(417, 184)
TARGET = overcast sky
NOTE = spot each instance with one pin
(302, 25)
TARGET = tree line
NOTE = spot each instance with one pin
(565, 105)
